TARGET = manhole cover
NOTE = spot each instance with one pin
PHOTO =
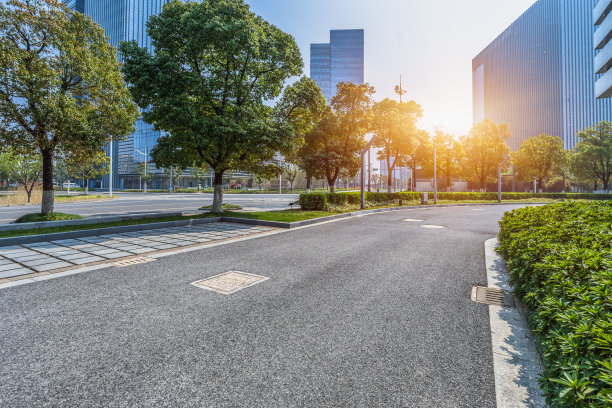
(492, 296)
(433, 226)
(230, 282)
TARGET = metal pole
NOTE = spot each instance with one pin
(170, 186)
(110, 181)
(280, 183)
(513, 179)
(435, 176)
(535, 186)
(499, 183)
(146, 160)
(369, 171)
(362, 181)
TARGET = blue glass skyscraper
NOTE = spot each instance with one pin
(538, 76)
(342, 60)
(125, 20)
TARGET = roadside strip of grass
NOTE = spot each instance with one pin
(82, 197)
(287, 216)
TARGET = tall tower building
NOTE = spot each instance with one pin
(602, 18)
(341, 60)
(125, 20)
(539, 76)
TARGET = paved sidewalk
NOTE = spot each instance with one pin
(47, 257)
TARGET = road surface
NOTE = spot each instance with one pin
(128, 203)
(371, 311)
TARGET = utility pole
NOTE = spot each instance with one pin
(110, 178)
(399, 90)
(369, 171)
(435, 175)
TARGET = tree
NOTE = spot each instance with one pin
(592, 156)
(24, 169)
(421, 155)
(215, 68)
(143, 169)
(538, 157)
(449, 153)
(291, 172)
(394, 128)
(332, 148)
(302, 105)
(485, 150)
(61, 88)
(88, 165)
(173, 173)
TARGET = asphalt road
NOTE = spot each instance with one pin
(372, 311)
(154, 202)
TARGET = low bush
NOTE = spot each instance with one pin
(313, 202)
(559, 257)
(354, 198)
(37, 217)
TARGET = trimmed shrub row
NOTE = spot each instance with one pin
(559, 258)
(319, 201)
(520, 196)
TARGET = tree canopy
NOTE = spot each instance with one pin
(61, 88)
(485, 150)
(592, 156)
(538, 157)
(395, 132)
(215, 69)
(332, 148)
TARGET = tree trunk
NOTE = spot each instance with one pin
(332, 185)
(29, 193)
(389, 180)
(48, 195)
(86, 186)
(218, 193)
(308, 183)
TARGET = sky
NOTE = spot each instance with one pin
(430, 43)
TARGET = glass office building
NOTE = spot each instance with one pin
(539, 76)
(602, 18)
(342, 60)
(125, 20)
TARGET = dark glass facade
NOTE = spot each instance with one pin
(125, 20)
(538, 76)
(342, 60)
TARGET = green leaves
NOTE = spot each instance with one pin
(538, 157)
(560, 262)
(215, 69)
(60, 84)
(592, 156)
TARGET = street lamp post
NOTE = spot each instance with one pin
(435, 175)
(146, 159)
(110, 181)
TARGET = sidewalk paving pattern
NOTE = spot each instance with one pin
(26, 259)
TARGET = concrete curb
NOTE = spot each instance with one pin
(27, 226)
(516, 361)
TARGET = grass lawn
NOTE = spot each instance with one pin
(81, 197)
(56, 216)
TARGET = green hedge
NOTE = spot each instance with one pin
(560, 261)
(313, 201)
(317, 201)
(520, 196)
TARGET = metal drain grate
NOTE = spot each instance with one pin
(133, 261)
(230, 282)
(492, 296)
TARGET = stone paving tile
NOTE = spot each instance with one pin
(14, 272)
(89, 259)
(51, 266)
(9, 266)
(38, 262)
(59, 254)
(116, 254)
